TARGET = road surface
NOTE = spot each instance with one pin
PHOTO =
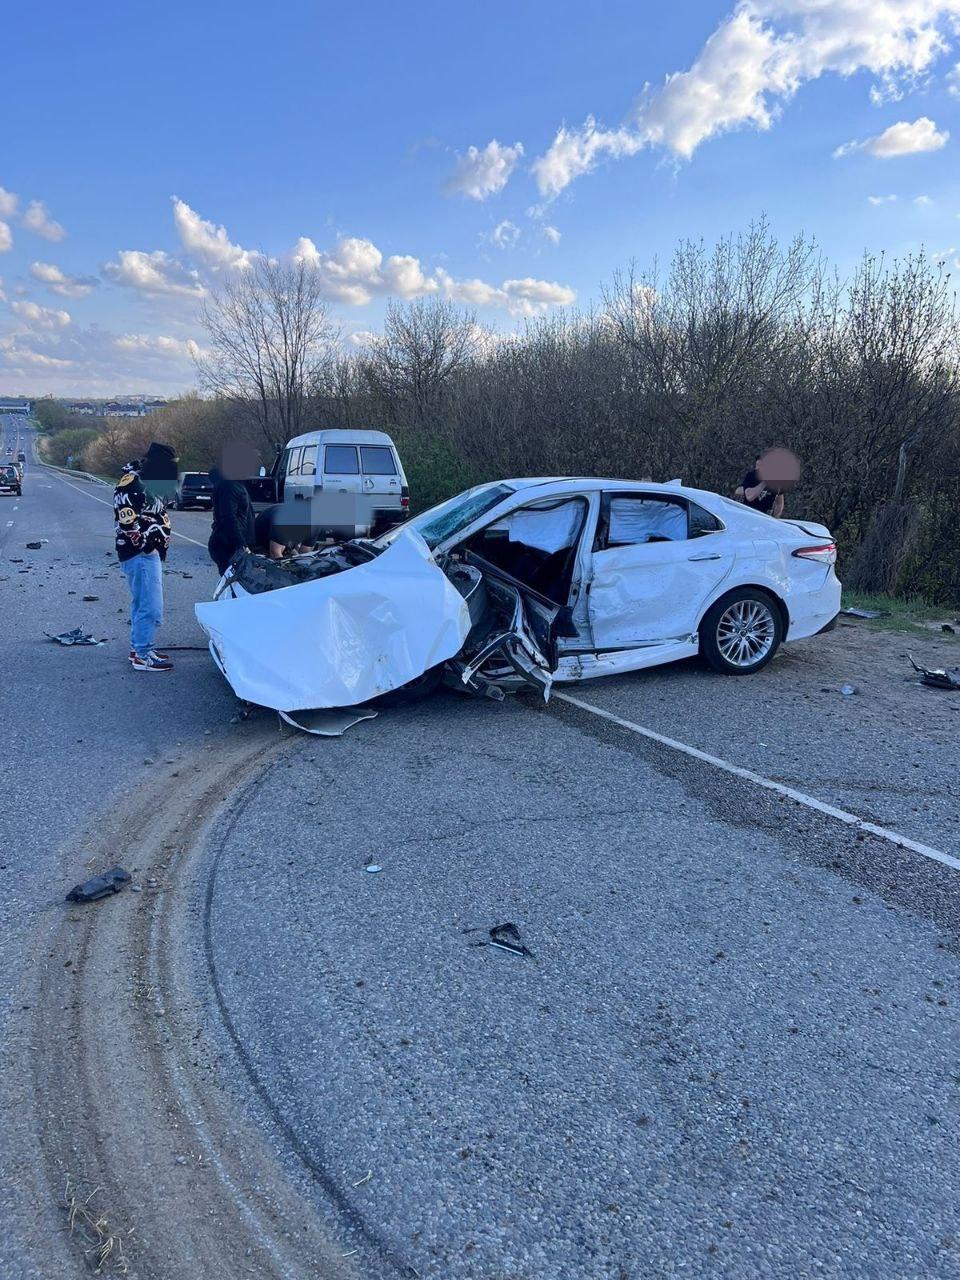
(732, 1051)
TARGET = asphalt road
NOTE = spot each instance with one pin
(732, 1051)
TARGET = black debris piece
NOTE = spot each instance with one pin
(945, 626)
(90, 599)
(111, 881)
(76, 636)
(938, 677)
(34, 546)
(507, 937)
(865, 613)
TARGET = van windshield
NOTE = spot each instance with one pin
(448, 518)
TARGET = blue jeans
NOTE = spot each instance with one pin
(144, 577)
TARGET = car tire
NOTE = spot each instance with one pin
(741, 632)
(413, 691)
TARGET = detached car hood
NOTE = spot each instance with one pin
(342, 639)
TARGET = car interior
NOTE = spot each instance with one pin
(536, 545)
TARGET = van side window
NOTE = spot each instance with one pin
(308, 467)
(293, 461)
(341, 460)
(377, 460)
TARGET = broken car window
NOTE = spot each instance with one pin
(636, 520)
(447, 518)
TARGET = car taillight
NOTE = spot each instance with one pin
(823, 553)
(404, 502)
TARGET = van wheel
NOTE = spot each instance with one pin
(741, 632)
(413, 691)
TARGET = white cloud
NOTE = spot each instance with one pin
(154, 274)
(9, 203)
(160, 344)
(38, 220)
(881, 199)
(40, 317)
(751, 65)
(904, 138)
(3, 296)
(361, 338)
(953, 85)
(354, 271)
(526, 297)
(505, 234)
(577, 151)
(552, 234)
(59, 282)
(922, 201)
(208, 244)
(481, 173)
(6, 237)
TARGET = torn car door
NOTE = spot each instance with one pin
(513, 640)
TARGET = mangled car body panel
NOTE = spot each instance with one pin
(341, 639)
(514, 583)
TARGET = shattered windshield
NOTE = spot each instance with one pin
(448, 518)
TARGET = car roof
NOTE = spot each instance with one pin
(338, 435)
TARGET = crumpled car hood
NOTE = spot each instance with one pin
(343, 639)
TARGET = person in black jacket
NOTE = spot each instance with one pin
(233, 526)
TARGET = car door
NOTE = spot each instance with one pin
(301, 473)
(657, 559)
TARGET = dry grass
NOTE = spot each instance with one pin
(102, 1244)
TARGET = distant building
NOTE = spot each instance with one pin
(151, 406)
(116, 409)
(15, 406)
(83, 407)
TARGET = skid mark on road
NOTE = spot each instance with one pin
(809, 802)
(110, 504)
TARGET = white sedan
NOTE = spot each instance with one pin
(534, 581)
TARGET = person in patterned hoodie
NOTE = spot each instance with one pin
(142, 530)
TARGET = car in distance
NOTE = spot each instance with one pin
(195, 489)
(532, 581)
(10, 480)
(21, 457)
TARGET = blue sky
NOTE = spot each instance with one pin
(508, 158)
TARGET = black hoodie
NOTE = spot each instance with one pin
(233, 525)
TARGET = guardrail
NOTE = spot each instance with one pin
(68, 471)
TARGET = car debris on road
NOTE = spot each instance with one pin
(101, 886)
(937, 677)
(75, 637)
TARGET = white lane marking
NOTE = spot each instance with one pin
(110, 504)
(9, 523)
(810, 802)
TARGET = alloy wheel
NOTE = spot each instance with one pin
(746, 633)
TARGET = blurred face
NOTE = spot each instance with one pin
(239, 460)
(159, 476)
(778, 469)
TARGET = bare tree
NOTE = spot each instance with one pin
(424, 344)
(269, 338)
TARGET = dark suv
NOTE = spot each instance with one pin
(10, 480)
(195, 490)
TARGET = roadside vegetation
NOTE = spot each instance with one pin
(686, 370)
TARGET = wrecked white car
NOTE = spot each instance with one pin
(523, 583)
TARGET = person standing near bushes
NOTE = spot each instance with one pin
(142, 538)
(233, 525)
